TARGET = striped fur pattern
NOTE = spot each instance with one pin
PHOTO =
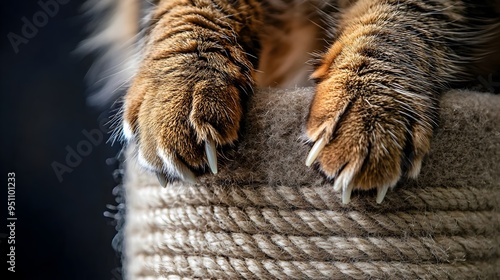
(379, 68)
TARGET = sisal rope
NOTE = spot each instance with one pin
(266, 216)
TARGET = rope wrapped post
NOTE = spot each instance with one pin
(267, 216)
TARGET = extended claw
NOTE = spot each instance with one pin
(188, 175)
(381, 192)
(211, 155)
(346, 193)
(162, 178)
(316, 149)
(343, 180)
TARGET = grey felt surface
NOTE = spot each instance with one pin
(272, 150)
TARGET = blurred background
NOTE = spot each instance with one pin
(61, 232)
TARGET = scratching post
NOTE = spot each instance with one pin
(267, 216)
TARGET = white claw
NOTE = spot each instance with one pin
(343, 179)
(381, 192)
(346, 193)
(337, 185)
(188, 175)
(211, 155)
(162, 178)
(316, 149)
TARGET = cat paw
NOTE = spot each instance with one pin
(179, 119)
(368, 135)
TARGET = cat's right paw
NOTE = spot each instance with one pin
(368, 131)
(178, 118)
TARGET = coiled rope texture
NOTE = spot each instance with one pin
(253, 222)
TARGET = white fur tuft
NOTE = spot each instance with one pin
(127, 131)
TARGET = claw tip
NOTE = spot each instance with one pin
(346, 194)
(211, 153)
(162, 178)
(316, 149)
(381, 192)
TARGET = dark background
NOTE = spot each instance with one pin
(61, 232)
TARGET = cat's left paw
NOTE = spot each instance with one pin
(367, 135)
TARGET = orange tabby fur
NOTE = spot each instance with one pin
(192, 82)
